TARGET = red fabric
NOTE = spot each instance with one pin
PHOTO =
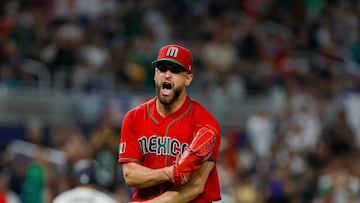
(2, 197)
(5, 27)
(230, 152)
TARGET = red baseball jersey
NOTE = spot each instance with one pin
(154, 141)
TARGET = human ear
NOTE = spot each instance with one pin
(189, 78)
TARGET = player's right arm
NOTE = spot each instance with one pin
(139, 176)
(130, 156)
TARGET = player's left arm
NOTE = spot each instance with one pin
(189, 191)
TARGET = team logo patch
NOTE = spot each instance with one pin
(172, 51)
(122, 147)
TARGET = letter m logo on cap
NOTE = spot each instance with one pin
(172, 51)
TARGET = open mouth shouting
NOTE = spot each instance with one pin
(166, 88)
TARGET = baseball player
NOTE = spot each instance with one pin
(169, 144)
(85, 186)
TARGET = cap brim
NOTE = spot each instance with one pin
(170, 60)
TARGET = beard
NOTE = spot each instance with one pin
(168, 100)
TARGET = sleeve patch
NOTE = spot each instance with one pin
(122, 147)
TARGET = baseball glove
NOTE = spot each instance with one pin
(193, 157)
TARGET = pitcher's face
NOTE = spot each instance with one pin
(170, 82)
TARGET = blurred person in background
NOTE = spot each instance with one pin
(85, 186)
(34, 186)
(261, 129)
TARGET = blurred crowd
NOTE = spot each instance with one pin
(304, 54)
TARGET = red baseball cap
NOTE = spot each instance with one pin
(176, 54)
